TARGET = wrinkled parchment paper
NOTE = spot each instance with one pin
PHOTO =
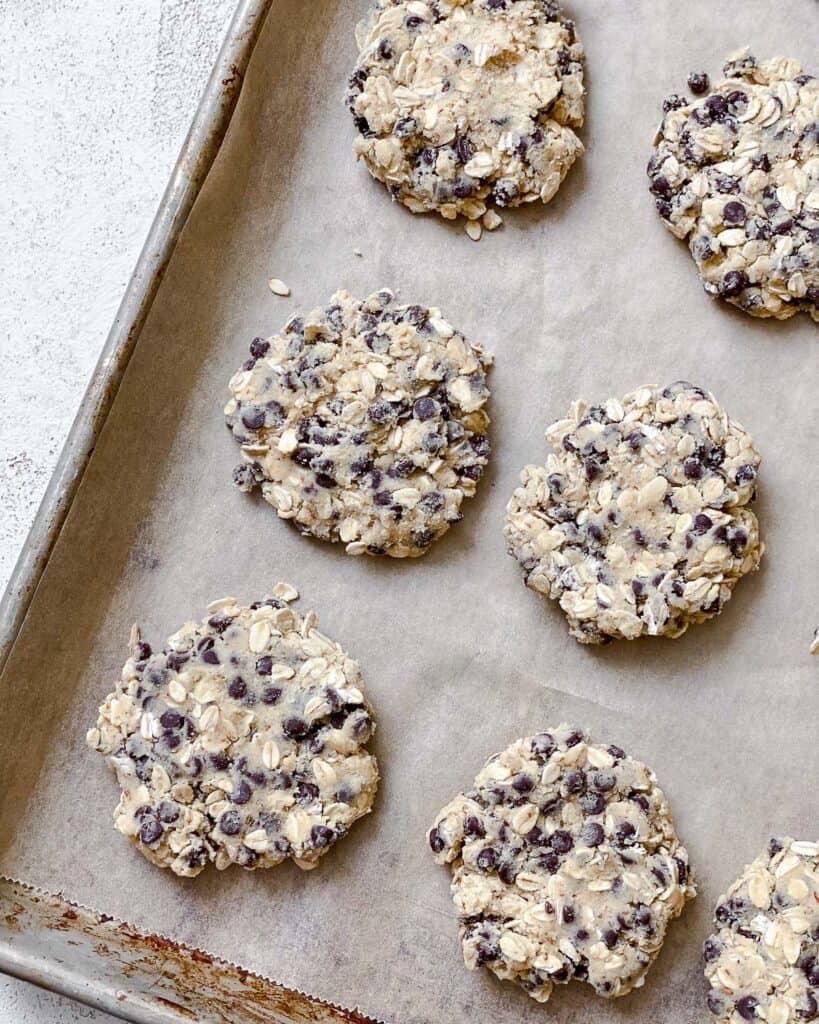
(587, 297)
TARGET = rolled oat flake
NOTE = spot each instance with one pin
(464, 104)
(243, 741)
(762, 961)
(565, 865)
(364, 423)
(735, 173)
(638, 523)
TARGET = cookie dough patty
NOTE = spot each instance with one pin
(565, 864)
(364, 423)
(736, 174)
(461, 103)
(242, 742)
(762, 962)
(638, 523)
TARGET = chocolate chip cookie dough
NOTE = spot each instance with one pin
(242, 742)
(460, 104)
(736, 174)
(762, 962)
(638, 523)
(565, 864)
(364, 423)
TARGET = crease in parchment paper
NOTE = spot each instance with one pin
(586, 297)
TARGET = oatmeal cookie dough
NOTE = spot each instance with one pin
(464, 103)
(565, 864)
(242, 742)
(736, 174)
(762, 962)
(638, 523)
(364, 423)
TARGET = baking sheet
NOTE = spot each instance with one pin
(588, 296)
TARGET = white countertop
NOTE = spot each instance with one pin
(95, 100)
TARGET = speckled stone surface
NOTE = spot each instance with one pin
(97, 100)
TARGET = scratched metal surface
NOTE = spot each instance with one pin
(108, 965)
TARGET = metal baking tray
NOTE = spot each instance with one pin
(589, 297)
(45, 939)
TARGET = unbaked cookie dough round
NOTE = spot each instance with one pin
(638, 523)
(762, 962)
(565, 864)
(242, 742)
(736, 174)
(464, 103)
(364, 423)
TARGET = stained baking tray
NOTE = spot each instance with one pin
(588, 296)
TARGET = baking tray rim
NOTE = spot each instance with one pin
(199, 149)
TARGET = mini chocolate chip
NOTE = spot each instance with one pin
(523, 783)
(711, 950)
(320, 835)
(142, 651)
(170, 719)
(425, 408)
(593, 803)
(561, 841)
(486, 859)
(575, 782)
(746, 1007)
(549, 861)
(592, 834)
(296, 728)
(474, 827)
(734, 213)
(237, 688)
(734, 282)
(168, 812)
(241, 793)
(150, 832)
(698, 82)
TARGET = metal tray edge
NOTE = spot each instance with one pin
(198, 152)
(147, 979)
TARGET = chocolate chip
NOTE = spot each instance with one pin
(237, 688)
(561, 841)
(592, 834)
(699, 82)
(575, 781)
(296, 728)
(241, 793)
(734, 213)
(734, 282)
(486, 859)
(746, 1007)
(150, 832)
(425, 408)
(523, 783)
(320, 836)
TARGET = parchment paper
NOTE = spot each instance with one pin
(589, 296)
